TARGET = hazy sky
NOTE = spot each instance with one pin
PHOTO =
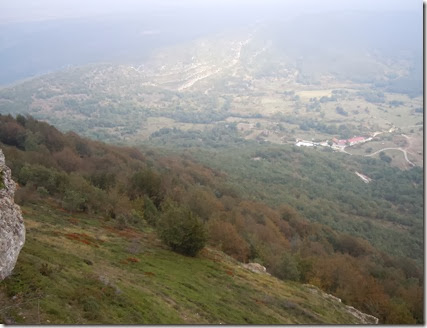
(30, 10)
(51, 37)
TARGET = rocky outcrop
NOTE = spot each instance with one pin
(362, 317)
(12, 229)
(255, 267)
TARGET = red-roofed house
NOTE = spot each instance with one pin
(356, 140)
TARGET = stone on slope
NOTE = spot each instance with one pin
(12, 229)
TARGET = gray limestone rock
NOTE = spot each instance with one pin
(255, 267)
(12, 229)
(363, 318)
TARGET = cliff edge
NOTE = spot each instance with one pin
(12, 229)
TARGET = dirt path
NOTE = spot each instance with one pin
(342, 150)
(402, 150)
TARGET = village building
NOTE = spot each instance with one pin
(304, 143)
(348, 142)
(336, 144)
(356, 140)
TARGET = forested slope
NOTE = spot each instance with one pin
(130, 190)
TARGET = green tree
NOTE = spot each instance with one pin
(181, 230)
(147, 182)
(150, 211)
(74, 201)
(385, 158)
(287, 268)
(398, 313)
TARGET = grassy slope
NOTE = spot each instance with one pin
(79, 269)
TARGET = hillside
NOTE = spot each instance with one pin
(82, 269)
(322, 185)
(107, 202)
(210, 162)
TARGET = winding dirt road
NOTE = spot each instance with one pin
(402, 150)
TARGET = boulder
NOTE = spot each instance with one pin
(255, 267)
(12, 229)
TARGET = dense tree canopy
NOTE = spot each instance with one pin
(171, 192)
